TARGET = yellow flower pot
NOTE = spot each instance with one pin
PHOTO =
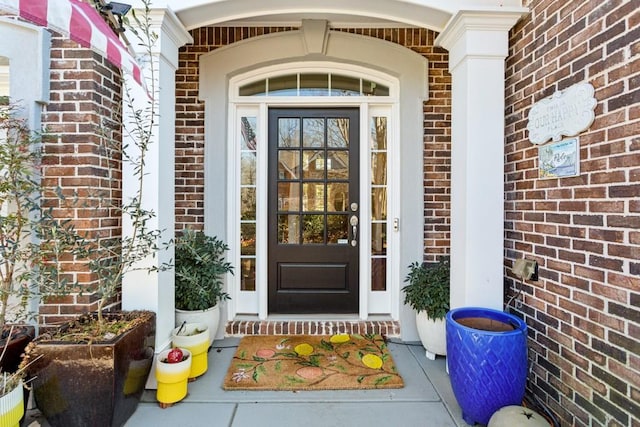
(172, 378)
(12, 407)
(195, 338)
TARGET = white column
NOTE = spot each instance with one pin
(478, 45)
(142, 289)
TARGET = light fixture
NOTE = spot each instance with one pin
(117, 9)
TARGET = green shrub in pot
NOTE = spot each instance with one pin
(428, 293)
(429, 289)
(199, 268)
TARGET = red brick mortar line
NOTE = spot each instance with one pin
(387, 328)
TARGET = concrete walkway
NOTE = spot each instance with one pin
(426, 400)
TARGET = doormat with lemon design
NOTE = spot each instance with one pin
(312, 362)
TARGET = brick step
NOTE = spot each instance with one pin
(387, 328)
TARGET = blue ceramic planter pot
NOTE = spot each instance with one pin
(487, 359)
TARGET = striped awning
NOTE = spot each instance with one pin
(82, 23)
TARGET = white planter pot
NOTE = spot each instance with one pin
(210, 317)
(432, 334)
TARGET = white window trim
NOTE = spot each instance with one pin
(252, 303)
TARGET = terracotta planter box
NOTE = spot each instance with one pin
(96, 384)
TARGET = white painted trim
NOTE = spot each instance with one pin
(219, 66)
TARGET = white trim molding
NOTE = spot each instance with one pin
(478, 45)
(377, 57)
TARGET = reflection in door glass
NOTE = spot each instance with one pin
(337, 164)
(378, 238)
(337, 196)
(289, 229)
(338, 229)
(248, 203)
(313, 229)
(379, 274)
(288, 132)
(313, 164)
(379, 202)
(248, 274)
(288, 164)
(248, 168)
(248, 208)
(247, 239)
(313, 197)
(313, 132)
(289, 196)
(338, 133)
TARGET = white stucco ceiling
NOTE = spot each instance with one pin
(433, 14)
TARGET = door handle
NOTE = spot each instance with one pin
(354, 230)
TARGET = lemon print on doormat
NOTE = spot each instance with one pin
(312, 362)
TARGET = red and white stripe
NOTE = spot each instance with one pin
(82, 23)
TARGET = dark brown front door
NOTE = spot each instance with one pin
(313, 210)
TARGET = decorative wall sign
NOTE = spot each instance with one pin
(559, 159)
(565, 113)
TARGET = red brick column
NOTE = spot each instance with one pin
(81, 123)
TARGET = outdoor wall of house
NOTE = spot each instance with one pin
(584, 231)
(79, 122)
(190, 125)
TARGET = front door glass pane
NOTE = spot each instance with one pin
(313, 197)
(288, 164)
(338, 229)
(289, 229)
(313, 132)
(338, 164)
(338, 133)
(337, 197)
(313, 229)
(314, 164)
(288, 132)
(289, 196)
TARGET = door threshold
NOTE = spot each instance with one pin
(312, 326)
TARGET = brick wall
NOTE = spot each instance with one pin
(584, 231)
(80, 123)
(437, 116)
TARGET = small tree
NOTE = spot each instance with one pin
(33, 244)
(111, 258)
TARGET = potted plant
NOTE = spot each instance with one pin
(199, 268)
(90, 371)
(172, 373)
(487, 360)
(195, 338)
(428, 294)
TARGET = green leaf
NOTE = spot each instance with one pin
(361, 378)
(326, 345)
(382, 380)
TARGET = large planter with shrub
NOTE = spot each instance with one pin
(96, 384)
(487, 360)
(428, 294)
(210, 317)
(199, 269)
